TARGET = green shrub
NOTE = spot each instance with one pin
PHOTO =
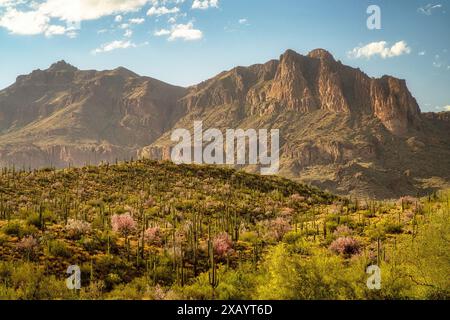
(249, 236)
(34, 220)
(369, 214)
(3, 239)
(28, 231)
(111, 280)
(331, 226)
(58, 248)
(27, 281)
(291, 237)
(39, 220)
(12, 228)
(393, 228)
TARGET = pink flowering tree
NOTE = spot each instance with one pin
(153, 236)
(77, 228)
(346, 246)
(342, 231)
(222, 244)
(279, 227)
(29, 246)
(123, 224)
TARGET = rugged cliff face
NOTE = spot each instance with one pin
(340, 129)
(306, 84)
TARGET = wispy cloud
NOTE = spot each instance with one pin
(244, 21)
(137, 20)
(114, 45)
(428, 9)
(128, 33)
(205, 4)
(162, 32)
(380, 49)
(440, 62)
(185, 32)
(159, 11)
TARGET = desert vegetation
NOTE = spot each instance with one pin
(154, 230)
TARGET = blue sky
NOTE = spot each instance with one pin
(184, 42)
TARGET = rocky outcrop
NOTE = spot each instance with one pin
(394, 105)
(305, 84)
(340, 129)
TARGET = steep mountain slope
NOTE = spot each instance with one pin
(63, 116)
(340, 129)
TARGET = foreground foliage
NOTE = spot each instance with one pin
(148, 230)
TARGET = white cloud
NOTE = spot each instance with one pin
(380, 49)
(24, 23)
(181, 31)
(154, 11)
(428, 9)
(243, 21)
(422, 53)
(137, 21)
(118, 18)
(128, 33)
(446, 108)
(205, 4)
(31, 17)
(79, 10)
(110, 46)
(11, 3)
(162, 32)
(54, 30)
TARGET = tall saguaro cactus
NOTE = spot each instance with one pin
(212, 275)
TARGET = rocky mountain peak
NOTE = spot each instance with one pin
(394, 105)
(289, 53)
(61, 66)
(305, 84)
(321, 54)
(124, 72)
(361, 132)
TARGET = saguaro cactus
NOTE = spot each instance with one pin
(212, 275)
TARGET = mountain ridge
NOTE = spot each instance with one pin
(341, 129)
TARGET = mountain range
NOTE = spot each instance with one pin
(340, 129)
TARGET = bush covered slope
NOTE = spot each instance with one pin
(153, 230)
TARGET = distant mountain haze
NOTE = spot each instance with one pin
(340, 129)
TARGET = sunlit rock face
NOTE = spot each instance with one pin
(340, 129)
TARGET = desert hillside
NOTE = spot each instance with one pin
(340, 129)
(153, 230)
